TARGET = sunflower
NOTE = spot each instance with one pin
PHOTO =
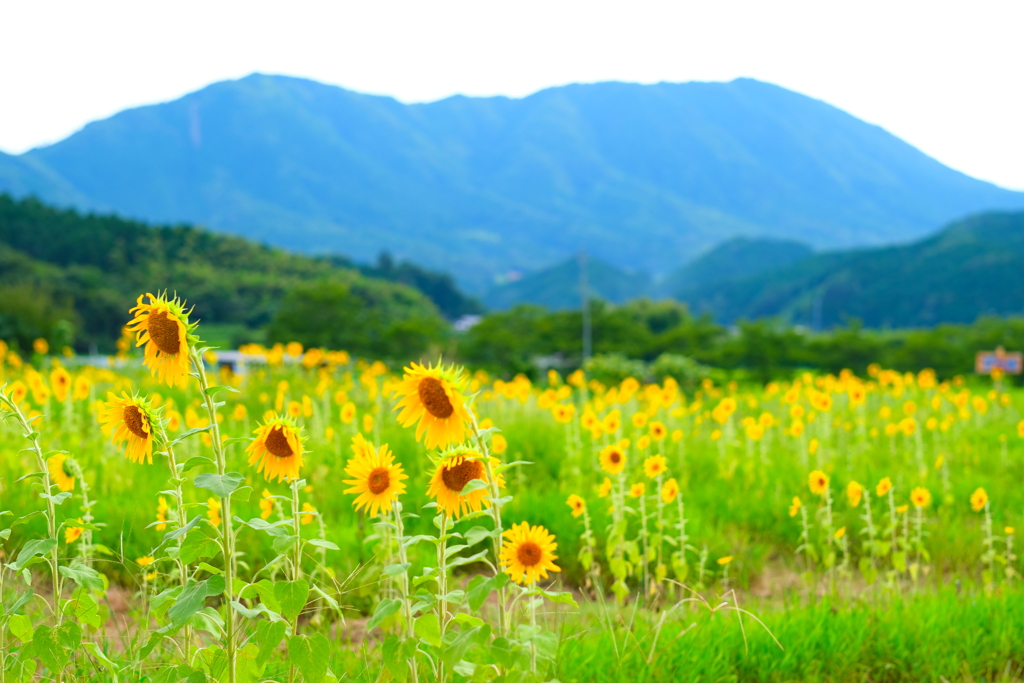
(130, 418)
(60, 474)
(308, 513)
(655, 466)
(605, 488)
(498, 444)
(564, 412)
(722, 561)
(818, 481)
(60, 380)
(527, 553)
(348, 412)
(840, 532)
(639, 420)
(854, 492)
(657, 430)
(432, 400)
(266, 505)
(577, 504)
(80, 392)
(213, 511)
(454, 472)
(73, 533)
(921, 497)
(669, 490)
(613, 459)
(883, 487)
(277, 449)
(161, 513)
(162, 326)
(795, 507)
(637, 489)
(979, 499)
(376, 477)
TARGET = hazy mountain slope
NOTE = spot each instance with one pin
(642, 176)
(25, 176)
(738, 258)
(971, 268)
(558, 287)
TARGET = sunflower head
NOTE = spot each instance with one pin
(163, 327)
(655, 466)
(794, 509)
(818, 482)
(432, 400)
(455, 470)
(605, 488)
(377, 479)
(979, 499)
(576, 504)
(130, 419)
(854, 492)
(60, 472)
(883, 487)
(637, 490)
(613, 459)
(921, 497)
(277, 450)
(527, 553)
(669, 490)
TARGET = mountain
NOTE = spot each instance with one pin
(644, 177)
(558, 287)
(971, 268)
(736, 258)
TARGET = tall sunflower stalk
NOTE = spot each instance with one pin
(51, 502)
(403, 586)
(495, 508)
(225, 503)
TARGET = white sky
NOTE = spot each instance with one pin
(946, 77)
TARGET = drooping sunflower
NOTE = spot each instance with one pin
(376, 477)
(432, 400)
(655, 466)
(276, 451)
(162, 325)
(73, 533)
(854, 492)
(795, 507)
(527, 553)
(59, 473)
(613, 459)
(818, 482)
(669, 490)
(130, 418)
(266, 505)
(455, 470)
(605, 488)
(577, 504)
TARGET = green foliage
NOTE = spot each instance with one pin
(363, 317)
(63, 270)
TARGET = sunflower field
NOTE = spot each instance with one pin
(290, 514)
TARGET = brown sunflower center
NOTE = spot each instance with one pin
(135, 421)
(164, 332)
(434, 398)
(615, 457)
(277, 443)
(455, 478)
(529, 554)
(378, 481)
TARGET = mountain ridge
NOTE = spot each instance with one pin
(642, 176)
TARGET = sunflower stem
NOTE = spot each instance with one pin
(404, 587)
(442, 586)
(495, 508)
(179, 501)
(297, 561)
(225, 503)
(51, 515)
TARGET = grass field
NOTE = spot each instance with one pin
(246, 580)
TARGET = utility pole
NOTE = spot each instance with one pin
(585, 302)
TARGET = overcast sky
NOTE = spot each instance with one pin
(946, 77)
